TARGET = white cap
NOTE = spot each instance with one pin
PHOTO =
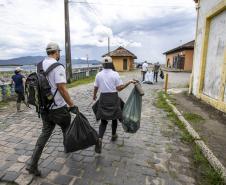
(52, 46)
(18, 69)
(107, 59)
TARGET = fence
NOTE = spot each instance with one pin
(84, 72)
(7, 90)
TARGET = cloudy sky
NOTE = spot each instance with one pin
(146, 27)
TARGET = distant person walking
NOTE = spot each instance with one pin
(59, 112)
(156, 71)
(19, 81)
(109, 105)
(144, 70)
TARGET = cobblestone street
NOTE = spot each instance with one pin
(154, 155)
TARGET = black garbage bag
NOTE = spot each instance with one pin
(80, 135)
(132, 112)
(162, 74)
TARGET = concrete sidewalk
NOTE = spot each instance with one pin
(212, 129)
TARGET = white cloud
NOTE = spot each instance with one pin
(28, 25)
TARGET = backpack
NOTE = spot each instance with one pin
(38, 90)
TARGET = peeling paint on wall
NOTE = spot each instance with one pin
(215, 56)
(205, 7)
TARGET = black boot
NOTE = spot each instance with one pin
(114, 137)
(32, 167)
(33, 170)
(98, 146)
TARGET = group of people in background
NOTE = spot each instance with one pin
(154, 73)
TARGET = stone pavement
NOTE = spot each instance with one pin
(154, 155)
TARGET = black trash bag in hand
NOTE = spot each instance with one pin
(132, 112)
(162, 74)
(80, 135)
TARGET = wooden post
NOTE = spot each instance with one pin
(166, 82)
(191, 84)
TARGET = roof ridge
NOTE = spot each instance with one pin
(188, 45)
(121, 51)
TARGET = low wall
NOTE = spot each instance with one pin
(7, 90)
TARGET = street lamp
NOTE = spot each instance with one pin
(100, 40)
(87, 59)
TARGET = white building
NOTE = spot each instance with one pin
(209, 65)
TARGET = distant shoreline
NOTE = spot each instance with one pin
(3, 65)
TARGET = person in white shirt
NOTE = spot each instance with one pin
(59, 113)
(144, 70)
(108, 107)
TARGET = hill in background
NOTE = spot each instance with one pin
(33, 60)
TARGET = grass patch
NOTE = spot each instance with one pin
(208, 175)
(194, 118)
(3, 104)
(205, 172)
(162, 104)
(81, 82)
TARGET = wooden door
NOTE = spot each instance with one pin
(125, 64)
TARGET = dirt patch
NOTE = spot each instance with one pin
(212, 112)
(212, 129)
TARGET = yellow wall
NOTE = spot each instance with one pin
(188, 59)
(118, 63)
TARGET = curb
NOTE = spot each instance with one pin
(213, 160)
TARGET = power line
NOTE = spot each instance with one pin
(93, 10)
(128, 5)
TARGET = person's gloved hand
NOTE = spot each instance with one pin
(74, 109)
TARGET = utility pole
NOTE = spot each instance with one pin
(87, 59)
(67, 42)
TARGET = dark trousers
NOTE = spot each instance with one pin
(60, 117)
(143, 75)
(156, 76)
(20, 96)
(103, 126)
